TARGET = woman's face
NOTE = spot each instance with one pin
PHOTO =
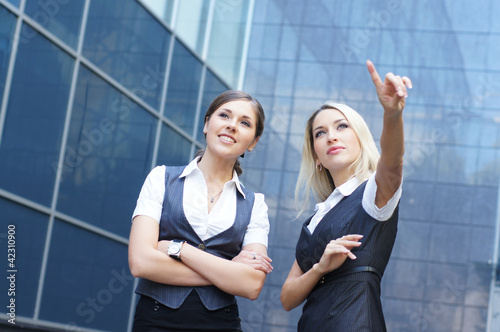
(335, 142)
(230, 130)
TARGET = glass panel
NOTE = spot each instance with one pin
(227, 37)
(35, 119)
(29, 229)
(15, 2)
(124, 41)
(7, 26)
(62, 18)
(182, 95)
(88, 282)
(191, 22)
(174, 149)
(213, 88)
(163, 9)
(108, 155)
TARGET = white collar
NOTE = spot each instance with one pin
(193, 166)
(348, 187)
(345, 189)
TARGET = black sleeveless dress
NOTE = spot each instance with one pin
(347, 299)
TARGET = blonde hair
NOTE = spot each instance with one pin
(321, 184)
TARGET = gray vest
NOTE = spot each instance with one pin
(174, 225)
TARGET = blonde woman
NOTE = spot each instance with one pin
(344, 247)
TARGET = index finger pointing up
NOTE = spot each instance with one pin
(373, 72)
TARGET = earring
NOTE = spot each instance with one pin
(320, 168)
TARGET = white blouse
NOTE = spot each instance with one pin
(195, 205)
(380, 214)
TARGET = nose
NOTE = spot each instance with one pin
(332, 137)
(231, 126)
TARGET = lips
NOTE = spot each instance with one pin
(334, 150)
(227, 138)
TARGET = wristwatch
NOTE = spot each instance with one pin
(174, 249)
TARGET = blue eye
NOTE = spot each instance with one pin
(245, 123)
(319, 133)
(343, 126)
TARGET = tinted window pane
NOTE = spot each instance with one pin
(30, 232)
(227, 36)
(108, 154)
(163, 9)
(174, 149)
(62, 18)
(125, 41)
(191, 22)
(88, 282)
(35, 118)
(7, 25)
(182, 96)
(213, 88)
(15, 2)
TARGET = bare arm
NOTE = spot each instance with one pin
(298, 284)
(146, 261)
(244, 276)
(233, 277)
(392, 96)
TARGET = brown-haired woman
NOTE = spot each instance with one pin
(198, 237)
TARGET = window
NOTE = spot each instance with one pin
(107, 156)
(35, 119)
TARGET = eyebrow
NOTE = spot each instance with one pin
(334, 122)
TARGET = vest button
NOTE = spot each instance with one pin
(201, 246)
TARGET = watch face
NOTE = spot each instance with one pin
(174, 248)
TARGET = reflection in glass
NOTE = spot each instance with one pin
(174, 149)
(191, 23)
(124, 41)
(7, 26)
(226, 23)
(15, 2)
(163, 9)
(62, 18)
(88, 282)
(184, 84)
(35, 119)
(29, 230)
(108, 154)
(227, 36)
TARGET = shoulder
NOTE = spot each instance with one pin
(259, 199)
(156, 174)
(159, 174)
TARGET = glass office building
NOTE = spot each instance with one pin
(94, 94)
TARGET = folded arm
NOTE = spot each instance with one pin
(146, 261)
(232, 276)
(243, 276)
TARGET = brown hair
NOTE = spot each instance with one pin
(231, 95)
